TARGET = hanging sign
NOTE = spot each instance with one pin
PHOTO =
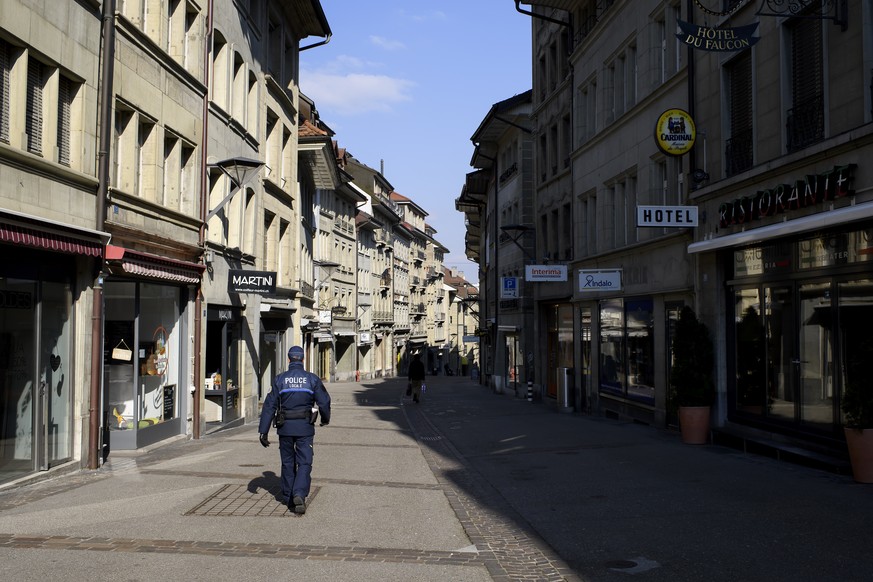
(667, 216)
(509, 288)
(255, 282)
(717, 39)
(597, 280)
(675, 132)
(545, 273)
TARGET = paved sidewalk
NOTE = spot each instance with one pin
(468, 485)
(381, 509)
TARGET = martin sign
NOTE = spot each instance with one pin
(255, 282)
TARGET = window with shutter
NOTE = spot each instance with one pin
(4, 92)
(805, 120)
(739, 147)
(33, 121)
(65, 100)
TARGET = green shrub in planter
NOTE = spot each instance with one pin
(691, 382)
(857, 400)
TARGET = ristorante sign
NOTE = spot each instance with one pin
(811, 190)
(717, 39)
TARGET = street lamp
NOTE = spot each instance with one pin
(240, 171)
(515, 232)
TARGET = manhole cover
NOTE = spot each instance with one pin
(238, 501)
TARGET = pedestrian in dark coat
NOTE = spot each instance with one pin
(416, 376)
(301, 397)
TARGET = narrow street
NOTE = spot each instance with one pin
(469, 485)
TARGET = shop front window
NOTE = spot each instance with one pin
(559, 349)
(788, 362)
(141, 355)
(855, 319)
(781, 336)
(17, 364)
(35, 376)
(158, 354)
(627, 347)
(55, 371)
(751, 368)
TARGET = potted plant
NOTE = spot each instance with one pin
(857, 406)
(691, 382)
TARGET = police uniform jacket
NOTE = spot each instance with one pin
(295, 391)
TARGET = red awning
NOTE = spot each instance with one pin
(153, 266)
(49, 241)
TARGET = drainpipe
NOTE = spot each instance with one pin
(204, 201)
(540, 16)
(319, 43)
(692, 161)
(498, 347)
(104, 143)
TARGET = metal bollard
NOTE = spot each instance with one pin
(530, 390)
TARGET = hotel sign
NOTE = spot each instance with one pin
(717, 39)
(255, 282)
(667, 216)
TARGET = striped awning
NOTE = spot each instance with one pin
(49, 241)
(153, 267)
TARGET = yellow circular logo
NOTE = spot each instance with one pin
(675, 132)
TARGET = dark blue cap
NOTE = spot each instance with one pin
(295, 353)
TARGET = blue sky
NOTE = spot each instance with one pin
(408, 82)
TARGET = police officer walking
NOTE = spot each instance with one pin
(296, 400)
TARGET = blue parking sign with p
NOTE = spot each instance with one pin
(509, 288)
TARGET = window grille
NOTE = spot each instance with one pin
(739, 147)
(805, 119)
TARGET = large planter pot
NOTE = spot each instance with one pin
(860, 443)
(694, 424)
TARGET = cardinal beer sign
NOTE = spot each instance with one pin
(717, 39)
(675, 132)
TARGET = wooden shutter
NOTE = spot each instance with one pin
(4, 92)
(65, 98)
(33, 121)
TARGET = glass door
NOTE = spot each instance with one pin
(17, 371)
(781, 360)
(815, 356)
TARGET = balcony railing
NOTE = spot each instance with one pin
(738, 153)
(806, 123)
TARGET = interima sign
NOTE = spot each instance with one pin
(256, 282)
(545, 273)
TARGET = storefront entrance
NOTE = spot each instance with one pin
(221, 365)
(143, 350)
(801, 337)
(35, 373)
